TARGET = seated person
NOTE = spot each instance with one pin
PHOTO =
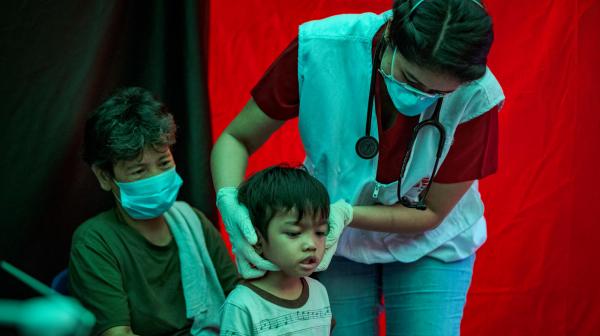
(150, 265)
(289, 209)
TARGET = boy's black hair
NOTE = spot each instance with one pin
(451, 37)
(282, 188)
(124, 125)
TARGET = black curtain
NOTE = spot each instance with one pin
(59, 60)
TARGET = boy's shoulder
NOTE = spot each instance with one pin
(243, 299)
(317, 296)
(313, 282)
(315, 287)
(242, 293)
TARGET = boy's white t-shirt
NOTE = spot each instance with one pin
(249, 310)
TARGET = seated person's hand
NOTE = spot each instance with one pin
(340, 215)
(242, 235)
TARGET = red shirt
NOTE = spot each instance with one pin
(473, 155)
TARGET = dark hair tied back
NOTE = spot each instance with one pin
(451, 37)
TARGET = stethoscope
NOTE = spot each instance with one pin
(367, 146)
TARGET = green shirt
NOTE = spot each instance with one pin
(125, 280)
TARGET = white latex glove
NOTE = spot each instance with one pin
(340, 215)
(241, 235)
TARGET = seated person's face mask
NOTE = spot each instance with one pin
(150, 197)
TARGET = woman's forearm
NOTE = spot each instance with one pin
(399, 219)
(394, 218)
(243, 136)
(228, 161)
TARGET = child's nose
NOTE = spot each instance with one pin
(309, 244)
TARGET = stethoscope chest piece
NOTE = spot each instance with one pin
(367, 147)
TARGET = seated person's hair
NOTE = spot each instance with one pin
(124, 125)
(282, 188)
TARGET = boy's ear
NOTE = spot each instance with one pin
(258, 247)
(103, 177)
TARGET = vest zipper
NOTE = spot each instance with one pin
(376, 190)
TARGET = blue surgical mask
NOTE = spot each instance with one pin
(408, 100)
(150, 197)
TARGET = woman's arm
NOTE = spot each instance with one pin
(229, 160)
(399, 219)
(243, 136)
(252, 127)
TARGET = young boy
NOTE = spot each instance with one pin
(289, 209)
(150, 265)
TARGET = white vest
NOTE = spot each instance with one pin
(334, 74)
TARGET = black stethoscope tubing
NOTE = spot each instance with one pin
(431, 122)
(367, 146)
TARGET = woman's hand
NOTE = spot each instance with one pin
(340, 215)
(241, 235)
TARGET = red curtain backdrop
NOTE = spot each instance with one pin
(538, 273)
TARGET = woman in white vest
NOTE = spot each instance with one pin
(398, 117)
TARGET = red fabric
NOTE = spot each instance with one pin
(474, 152)
(538, 272)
